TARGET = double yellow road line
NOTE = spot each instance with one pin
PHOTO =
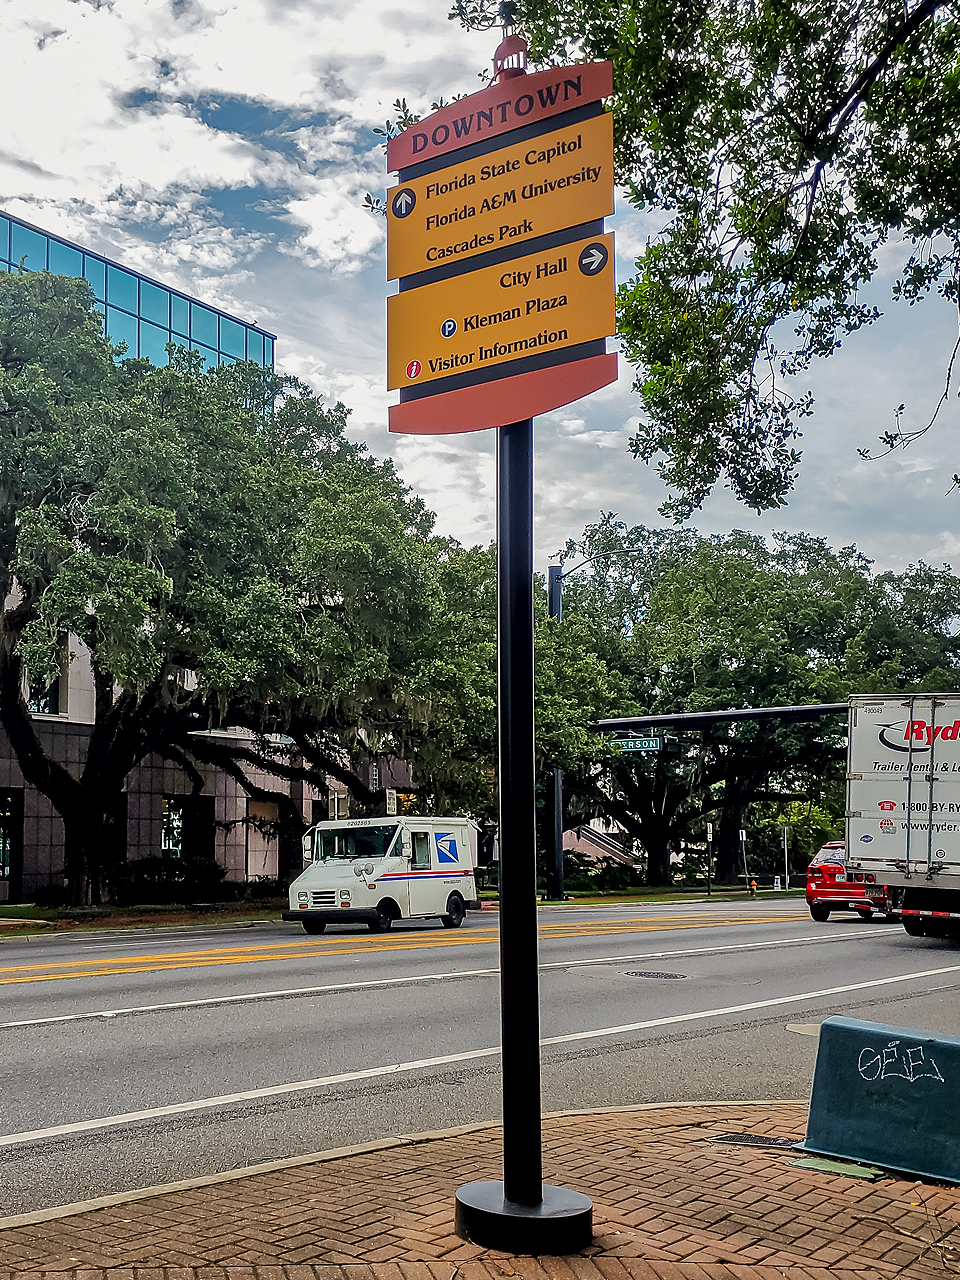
(344, 945)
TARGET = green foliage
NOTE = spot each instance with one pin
(600, 875)
(687, 623)
(223, 552)
(783, 145)
(811, 827)
(456, 751)
(159, 880)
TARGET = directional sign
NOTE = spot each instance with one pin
(527, 307)
(639, 744)
(496, 233)
(519, 102)
(500, 200)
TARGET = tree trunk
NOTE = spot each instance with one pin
(657, 844)
(90, 838)
(727, 844)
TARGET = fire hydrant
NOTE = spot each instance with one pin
(753, 888)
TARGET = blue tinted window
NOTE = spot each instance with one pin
(180, 315)
(204, 325)
(153, 342)
(231, 337)
(154, 303)
(4, 239)
(255, 346)
(30, 244)
(95, 271)
(65, 261)
(122, 328)
(268, 353)
(210, 360)
(121, 289)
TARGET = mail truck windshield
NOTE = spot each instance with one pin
(365, 842)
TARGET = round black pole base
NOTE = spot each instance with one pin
(562, 1223)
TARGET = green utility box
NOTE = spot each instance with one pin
(887, 1096)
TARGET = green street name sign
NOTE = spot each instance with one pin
(639, 744)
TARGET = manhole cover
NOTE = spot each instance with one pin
(644, 973)
(755, 1140)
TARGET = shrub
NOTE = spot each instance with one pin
(163, 879)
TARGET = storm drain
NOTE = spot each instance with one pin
(644, 973)
(755, 1140)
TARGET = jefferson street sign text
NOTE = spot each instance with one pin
(639, 744)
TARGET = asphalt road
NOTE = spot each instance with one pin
(122, 1055)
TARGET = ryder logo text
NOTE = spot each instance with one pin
(920, 731)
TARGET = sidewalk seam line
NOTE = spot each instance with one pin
(343, 1153)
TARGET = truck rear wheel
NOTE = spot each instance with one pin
(915, 926)
(819, 912)
(456, 912)
(313, 926)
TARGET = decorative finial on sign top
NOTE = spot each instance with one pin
(510, 58)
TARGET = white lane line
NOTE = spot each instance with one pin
(396, 1068)
(430, 977)
(747, 1008)
(252, 995)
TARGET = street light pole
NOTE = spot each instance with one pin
(786, 857)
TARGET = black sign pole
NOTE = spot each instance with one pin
(519, 1214)
(555, 881)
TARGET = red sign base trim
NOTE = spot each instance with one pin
(494, 404)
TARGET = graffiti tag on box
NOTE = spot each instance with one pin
(907, 1063)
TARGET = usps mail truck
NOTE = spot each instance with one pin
(377, 870)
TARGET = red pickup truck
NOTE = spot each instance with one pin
(829, 889)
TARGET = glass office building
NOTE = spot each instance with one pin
(137, 310)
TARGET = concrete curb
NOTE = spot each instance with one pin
(341, 1153)
(124, 931)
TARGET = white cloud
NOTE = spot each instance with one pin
(226, 147)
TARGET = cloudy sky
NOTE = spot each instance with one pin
(226, 148)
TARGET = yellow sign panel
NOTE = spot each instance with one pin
(538, 303)
(530, 189)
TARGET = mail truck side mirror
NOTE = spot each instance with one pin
(309, 843)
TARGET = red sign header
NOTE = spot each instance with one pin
(518, 101)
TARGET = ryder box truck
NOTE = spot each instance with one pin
(903, 806)
(377, 870)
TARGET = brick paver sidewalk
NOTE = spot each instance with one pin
(670, 1204)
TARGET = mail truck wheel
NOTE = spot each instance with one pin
(456, 912)
(384, 918)
(819, 912)
(313, 926)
